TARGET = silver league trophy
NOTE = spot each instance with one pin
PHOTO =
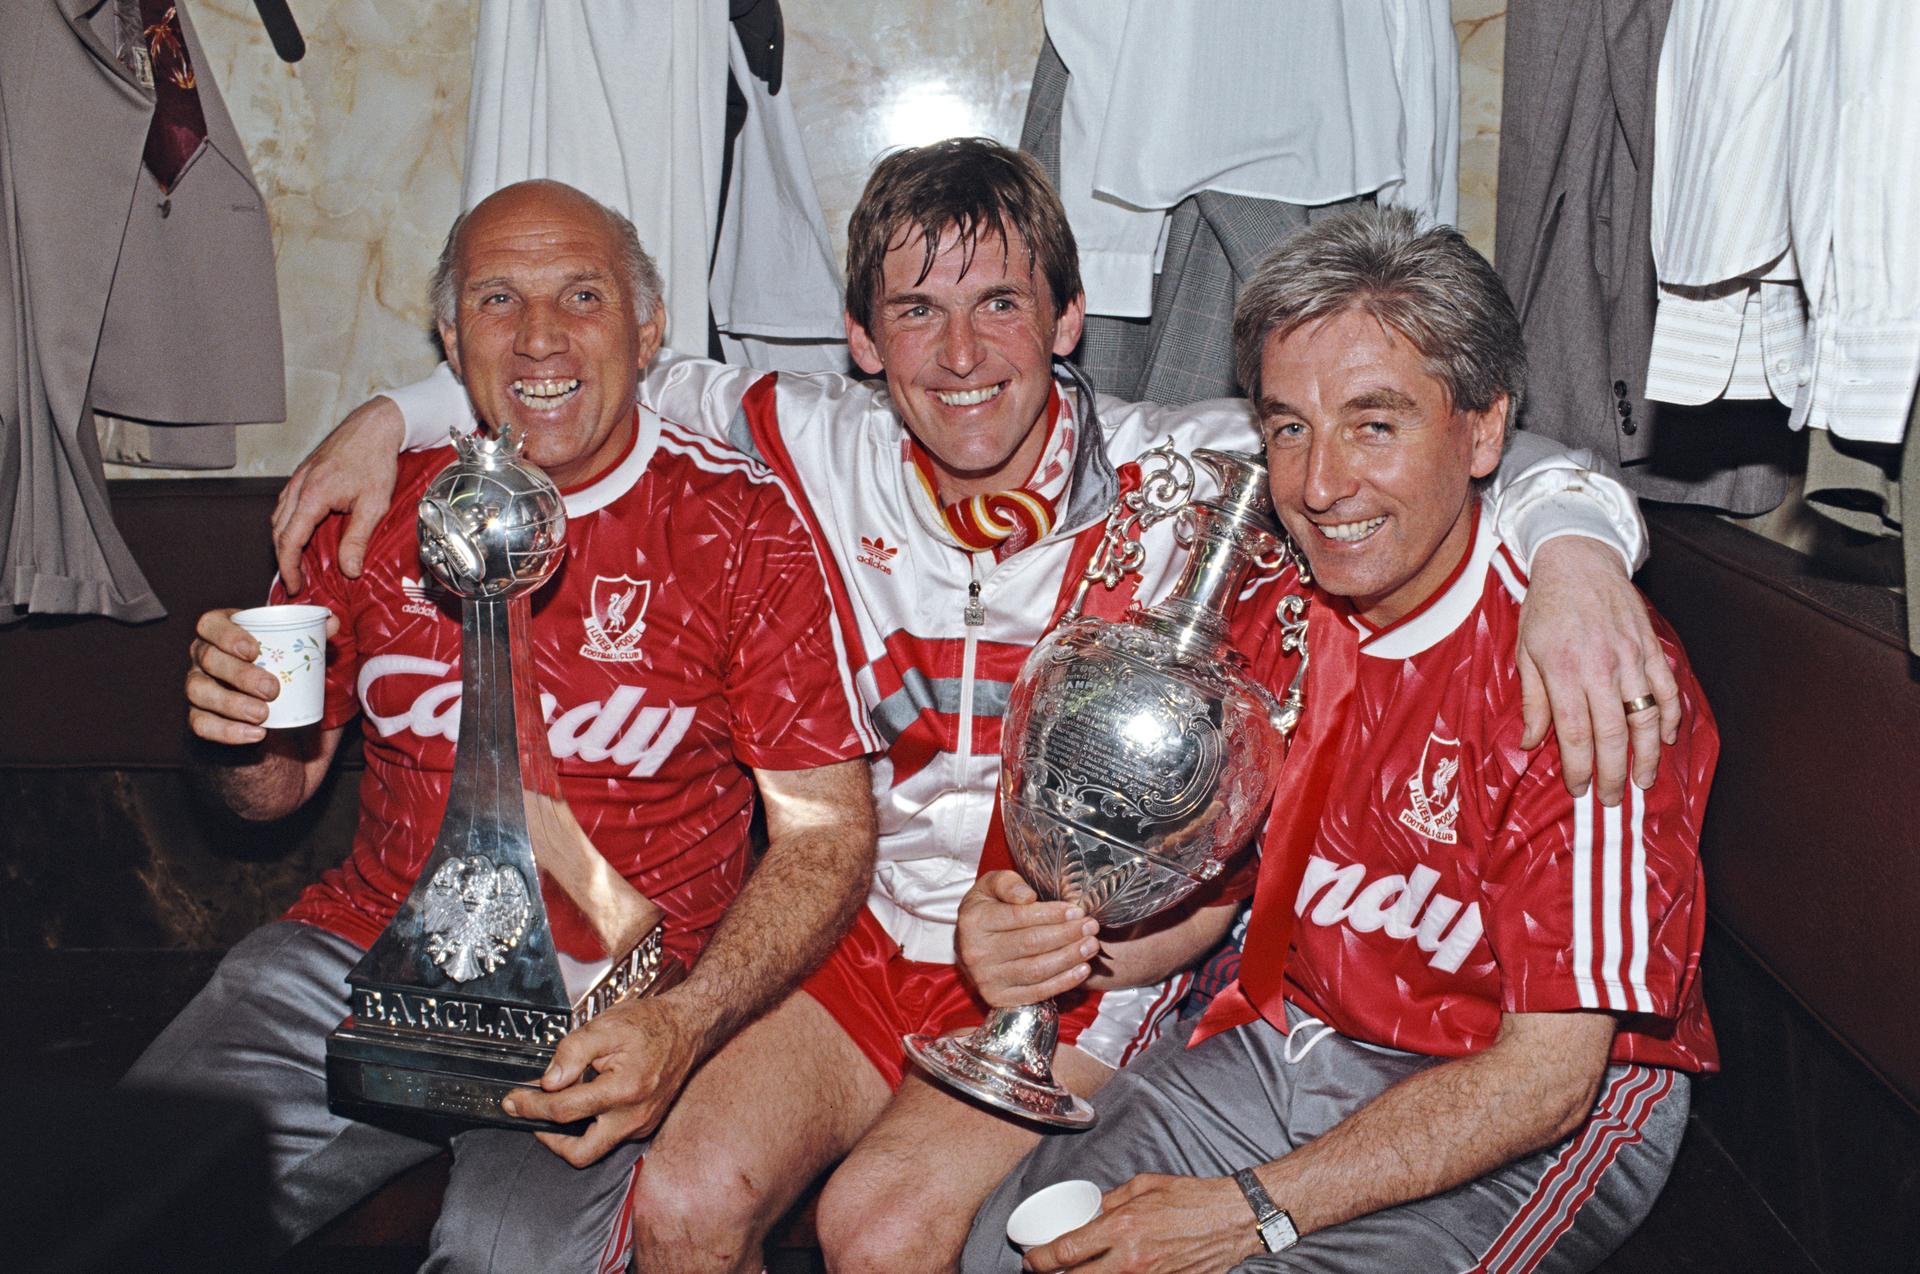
(517, 930)
(1137, 757)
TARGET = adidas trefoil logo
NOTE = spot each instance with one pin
(876, 552)
(424, 596)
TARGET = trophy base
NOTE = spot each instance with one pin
(371, 1072)
(1016, 1090)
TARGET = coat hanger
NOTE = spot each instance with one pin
(282, 29)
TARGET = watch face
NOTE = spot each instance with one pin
(1278, 1232)
(1275, 1227)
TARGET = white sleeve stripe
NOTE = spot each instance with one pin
(1612, 972)
(1637, 969)
(1583, 899)
(712, 456)
(1610, 875)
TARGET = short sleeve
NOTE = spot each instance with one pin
(1595, 908)
(327, 587)
(790, 695)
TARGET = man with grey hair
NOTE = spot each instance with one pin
(1468, 1006)
(686, 655)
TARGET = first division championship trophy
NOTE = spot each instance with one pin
(1137, 757)
(517, 930)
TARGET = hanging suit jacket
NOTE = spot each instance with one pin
(157, 306)
(1573, 244)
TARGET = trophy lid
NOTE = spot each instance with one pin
(1245, 495)
(1226, 535)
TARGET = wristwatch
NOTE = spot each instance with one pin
(1275, 1227)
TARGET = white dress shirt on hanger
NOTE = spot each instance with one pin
(1305, 103)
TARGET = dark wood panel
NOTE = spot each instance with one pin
(1830, 1149)
(1812, 840)
(135, 858)
(89, 691)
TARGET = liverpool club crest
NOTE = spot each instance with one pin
(618, 618)
(1433, 793)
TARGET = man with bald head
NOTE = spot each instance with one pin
(671, 660)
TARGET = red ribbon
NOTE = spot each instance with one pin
(1306, 777)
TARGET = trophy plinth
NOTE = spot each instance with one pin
(1138, 757)
(517, 930)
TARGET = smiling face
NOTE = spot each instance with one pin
(968, 354)
(544, 333)
(1372, 467)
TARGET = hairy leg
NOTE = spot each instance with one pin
(906, 1195)
(765, 1116)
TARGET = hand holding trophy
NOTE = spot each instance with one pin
(1137, 758)
(517, 930)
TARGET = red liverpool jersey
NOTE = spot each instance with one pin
(687, 634)
(1452, 877)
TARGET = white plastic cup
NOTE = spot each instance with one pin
(1047, 1214)
(293, 647)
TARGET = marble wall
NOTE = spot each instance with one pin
(358, 152)
(1480, 28)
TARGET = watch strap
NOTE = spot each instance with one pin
(1276, 1229)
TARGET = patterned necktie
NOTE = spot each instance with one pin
(160, 57)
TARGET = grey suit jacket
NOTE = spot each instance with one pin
(153, 306)
(1573, 243)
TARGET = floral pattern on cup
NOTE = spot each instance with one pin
(292, 641)
(286, 663)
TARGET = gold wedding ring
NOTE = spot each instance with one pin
(1638, 705)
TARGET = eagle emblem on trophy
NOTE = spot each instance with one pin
(477, 911)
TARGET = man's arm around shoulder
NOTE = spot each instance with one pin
(1587, 649)
(353, 469)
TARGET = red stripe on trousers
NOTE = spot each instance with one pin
(1561, 1191)
(617, 1255)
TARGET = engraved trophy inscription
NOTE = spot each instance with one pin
(517, 930)
(1137, 756)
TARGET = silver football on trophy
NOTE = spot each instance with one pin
(491, 524)
(1137, 757)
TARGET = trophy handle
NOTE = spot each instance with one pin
(1291, 615)
(1166, 487)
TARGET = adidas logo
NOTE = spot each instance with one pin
(876, 552)
(422, 596)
